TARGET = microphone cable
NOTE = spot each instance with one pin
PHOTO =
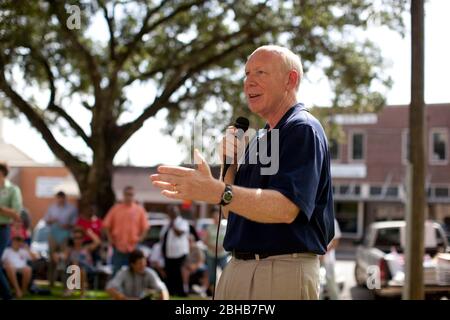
(243, 124)
(217, 245)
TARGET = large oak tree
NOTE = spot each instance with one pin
(189, 50)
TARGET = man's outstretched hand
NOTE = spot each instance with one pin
(189, 184)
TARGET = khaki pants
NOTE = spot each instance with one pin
(282, 277)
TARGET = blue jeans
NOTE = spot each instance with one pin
(119, 259)
(221, 263)
(5, 291)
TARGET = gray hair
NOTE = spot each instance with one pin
(291, 60)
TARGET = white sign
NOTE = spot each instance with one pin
(349, 119)
(45, 186)
(348, 170)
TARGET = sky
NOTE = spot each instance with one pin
(150, 147)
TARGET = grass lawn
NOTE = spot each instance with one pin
(57, 294)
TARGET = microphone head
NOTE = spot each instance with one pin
(242, 123)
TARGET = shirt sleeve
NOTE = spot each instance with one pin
(300, 165)
(154, 282)
(143, 221)
(6, 255)
(16, 200)
(117, 281)
(108, 221)
(73, 216)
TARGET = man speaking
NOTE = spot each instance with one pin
(278, 223)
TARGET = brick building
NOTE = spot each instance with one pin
(369, 167)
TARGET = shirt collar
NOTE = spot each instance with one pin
(297, 106)
(7, 184)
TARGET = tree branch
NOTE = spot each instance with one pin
(131, 45)
(211, 43)
(52, 106)
(111, 28)
(128, 129)
(74, 163)
(92, 66)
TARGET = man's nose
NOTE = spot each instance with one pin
(249, 81)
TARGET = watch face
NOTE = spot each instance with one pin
(227, 196)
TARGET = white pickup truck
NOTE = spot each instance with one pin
(381, 258)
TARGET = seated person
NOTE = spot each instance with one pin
(137, 281)
(80, 254)
(15, 259)
(194, 269)
(89, 220)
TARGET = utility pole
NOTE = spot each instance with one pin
(414, 284)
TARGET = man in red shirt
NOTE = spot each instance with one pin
(89, 220)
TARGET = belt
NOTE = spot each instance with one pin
(257, 256)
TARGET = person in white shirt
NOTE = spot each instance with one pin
(157, 260)
(175, 247)
(14, 261)
(329, 262)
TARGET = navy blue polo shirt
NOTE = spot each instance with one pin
(303, 176)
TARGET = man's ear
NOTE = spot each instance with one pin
(293, 78)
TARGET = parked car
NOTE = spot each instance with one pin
(154, 232)
(383, 248)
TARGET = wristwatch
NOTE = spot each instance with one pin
(227, 195)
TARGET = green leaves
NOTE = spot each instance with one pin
(190, 50)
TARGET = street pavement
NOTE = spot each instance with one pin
(345, 269)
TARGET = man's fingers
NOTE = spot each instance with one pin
(171, 194)
(163, 185)
(172, 179)
(175, 170)
(202, 165)
(198, 158)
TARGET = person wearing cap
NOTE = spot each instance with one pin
(15, 261)
(10, 206)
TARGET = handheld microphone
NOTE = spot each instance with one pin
(240, 123)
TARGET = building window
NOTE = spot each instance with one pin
(441, 192)
(375, 190)
(344, 189)
(357, 146)
(438, 146)
(334, 149)
(392, 192)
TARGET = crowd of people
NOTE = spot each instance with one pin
(180, 263)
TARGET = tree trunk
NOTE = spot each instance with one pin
(96, 189)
